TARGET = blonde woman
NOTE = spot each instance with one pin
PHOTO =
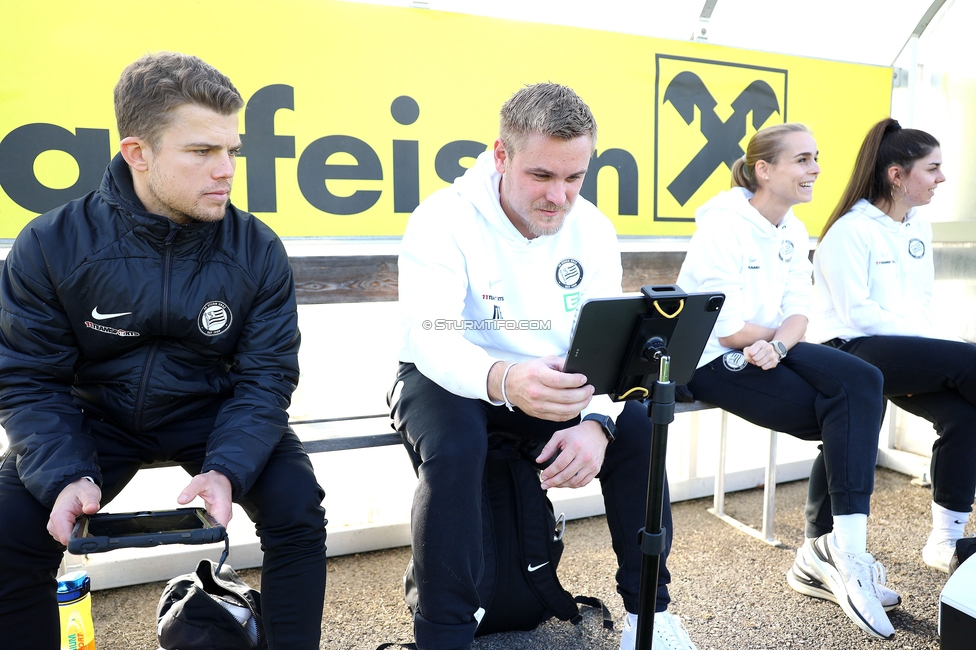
(749, 245)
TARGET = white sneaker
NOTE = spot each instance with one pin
(937, 554)
(669, 633)
(803, 579)
(851, 579)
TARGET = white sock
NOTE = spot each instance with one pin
(851, 533)
(947, 525)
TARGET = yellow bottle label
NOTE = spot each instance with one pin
(77, 631)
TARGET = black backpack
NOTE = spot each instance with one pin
(965, 549)
(190, 616)
(519, 588)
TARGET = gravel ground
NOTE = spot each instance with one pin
(727, 587)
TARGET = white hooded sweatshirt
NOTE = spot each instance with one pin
(474, 291)
(763, 270)
(874, 276)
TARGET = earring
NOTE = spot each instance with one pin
(898, 198)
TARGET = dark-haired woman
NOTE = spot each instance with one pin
(874, 276)
(749, 245)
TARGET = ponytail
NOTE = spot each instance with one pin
(886, 144)
(742, 175)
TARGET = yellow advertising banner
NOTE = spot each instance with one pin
(357, 112)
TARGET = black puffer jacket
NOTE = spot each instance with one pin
(141, 321)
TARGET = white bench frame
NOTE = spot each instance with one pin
(769, 489)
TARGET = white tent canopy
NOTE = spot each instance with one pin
(858, 31)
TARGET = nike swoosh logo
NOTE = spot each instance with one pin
(536, 568)
(98, 316)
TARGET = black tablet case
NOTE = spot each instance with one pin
(604, 333)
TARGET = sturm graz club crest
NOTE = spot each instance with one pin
(786, 251)
(916, 248)
(734, 360)
(569, 273)
(214, 318)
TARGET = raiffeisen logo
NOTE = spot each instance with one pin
(706, 111)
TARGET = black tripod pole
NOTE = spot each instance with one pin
(660, 409)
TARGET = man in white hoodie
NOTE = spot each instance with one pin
(493, 271)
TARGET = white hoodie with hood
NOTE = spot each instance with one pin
(874, 276)
(463, 265)
(763, 270)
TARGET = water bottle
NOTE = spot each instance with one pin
(74, 605)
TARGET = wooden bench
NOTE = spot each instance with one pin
(765, 533)
(373, 278)
(337, 279)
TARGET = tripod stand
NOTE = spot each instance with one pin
(660, 409)
(640, 367)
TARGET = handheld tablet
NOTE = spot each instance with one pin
(104, 532)
(610, 332)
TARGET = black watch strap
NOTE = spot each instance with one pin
(605, 422)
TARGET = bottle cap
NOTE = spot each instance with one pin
(73, 585)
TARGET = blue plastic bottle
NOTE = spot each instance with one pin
(74, 605)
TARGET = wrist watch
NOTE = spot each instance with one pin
(605, 422)
(780, 348)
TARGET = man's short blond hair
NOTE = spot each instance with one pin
(549, 109)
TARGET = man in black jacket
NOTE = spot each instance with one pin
(148, 321)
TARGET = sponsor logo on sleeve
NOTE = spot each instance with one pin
(109, 330)
(571, 300)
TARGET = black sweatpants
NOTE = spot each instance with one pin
(284, 503)
(936, 380)
(448, 436)
(815, 393)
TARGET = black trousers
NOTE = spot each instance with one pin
(815, 393)
(284, 503)
(936, 380)
(447, 437)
